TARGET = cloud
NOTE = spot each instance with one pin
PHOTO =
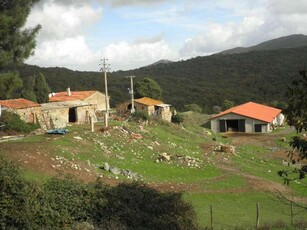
(59, 21)
(121, 3)
(126, 56)
(271, 19)
(69, 52)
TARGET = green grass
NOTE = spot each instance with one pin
(233, 206)
(238, 210)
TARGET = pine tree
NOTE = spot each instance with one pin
(9, 82)
(28, 90)
(41, 89)
(16, 43)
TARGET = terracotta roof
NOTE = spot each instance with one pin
(253, 110)
(75, 96)
(148, 101)
(19, 103)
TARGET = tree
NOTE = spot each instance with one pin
(9, 82)
(193, 107)
(16, 43)
(28, 89)
(41, 89)
(148, 88)
(296, 113)
(296, 93)
(228, 104)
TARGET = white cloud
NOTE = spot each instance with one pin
(69, 52)
(125, 56)
(273, 19)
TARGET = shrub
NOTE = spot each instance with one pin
(137, 206)
(140, 115)
(13, 122)
(177, 118)
(193, 107)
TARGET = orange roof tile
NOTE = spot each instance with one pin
(75, 96)
(19, 103)
(253, 110)
(148, 101)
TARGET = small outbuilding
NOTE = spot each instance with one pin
(153, 107)
(249, 117)
(28, 111)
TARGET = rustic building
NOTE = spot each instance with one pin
(249, 117)
(28, 111)
(72, 107)
(153, 107)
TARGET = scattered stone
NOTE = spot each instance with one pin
(78, 138)
(283, 139)
(115, 170)
(106, 166)
(120, 157)
(228, 149)
(164, 157)
(150, 147)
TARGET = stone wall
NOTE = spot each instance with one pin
(98, 99)
(28, 115)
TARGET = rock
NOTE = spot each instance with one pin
(106, 166)
(283, 139)
(228, 149)
(78, 138)
(165, 156)
(150, 147)
(115, 171)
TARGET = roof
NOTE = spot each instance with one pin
(19, 103)
(253, 110)
(75, 96)
(148, 101)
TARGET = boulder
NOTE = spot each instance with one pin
(165, 157)
(106, 166)
(115, 171)
(228, 149)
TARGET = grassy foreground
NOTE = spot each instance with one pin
(232, 183)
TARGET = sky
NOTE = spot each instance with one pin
(78, 34)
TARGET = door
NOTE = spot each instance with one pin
(222, 126)
(258, 128)
(241, 125)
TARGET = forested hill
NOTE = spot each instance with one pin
(291, 41)
(258, 76)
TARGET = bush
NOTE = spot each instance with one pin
(177, 118)
(12, 122)
(140, 115)
(136, 206)
(193, 107)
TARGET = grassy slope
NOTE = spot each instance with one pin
(234, 205)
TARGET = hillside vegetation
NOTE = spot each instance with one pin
(291, 41)
(169, 157)
(258, 76)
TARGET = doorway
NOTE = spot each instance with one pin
(72, 115)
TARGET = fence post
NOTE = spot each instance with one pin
(258, 216)
(291, 213)
(211, 217)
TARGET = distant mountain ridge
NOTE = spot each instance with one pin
(291, 41)
(162, 61)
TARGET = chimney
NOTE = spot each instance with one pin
(68, 91)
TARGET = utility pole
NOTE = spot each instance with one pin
(131, 92)
(105, 68)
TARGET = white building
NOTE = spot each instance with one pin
(249, 117)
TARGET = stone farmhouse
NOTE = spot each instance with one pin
(249, 117)
(63, 108)
(153, 107)
(72, 106)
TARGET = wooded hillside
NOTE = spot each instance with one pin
(258, 76)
